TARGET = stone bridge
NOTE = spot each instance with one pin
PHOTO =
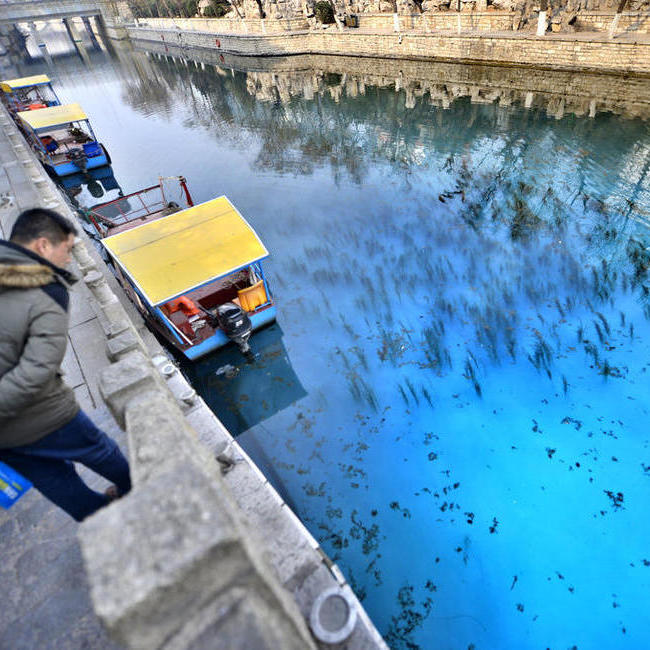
(18, 11)
(110, 17)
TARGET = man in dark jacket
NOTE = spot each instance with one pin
(42, 429)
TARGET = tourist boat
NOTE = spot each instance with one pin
(195, 274)
(63, 139)
(29, 93)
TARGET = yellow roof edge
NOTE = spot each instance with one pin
(52, 116)
(216, 277)
(196, 205)
(9, 85)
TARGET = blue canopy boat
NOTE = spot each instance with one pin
(63, 139)
(29, 93)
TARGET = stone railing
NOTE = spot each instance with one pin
(429, 21)
(630, 22)
(27, 10)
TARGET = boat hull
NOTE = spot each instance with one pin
(67, 168)
(219, 339)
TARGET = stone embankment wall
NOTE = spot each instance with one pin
(552, 52)
(202, 553)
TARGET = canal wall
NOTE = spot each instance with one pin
(559, 93)
(202, 552)
(554, 52)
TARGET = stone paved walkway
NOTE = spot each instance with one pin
(45, 601)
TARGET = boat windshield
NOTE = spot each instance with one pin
(158, 200)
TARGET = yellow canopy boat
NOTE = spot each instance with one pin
(190, 272)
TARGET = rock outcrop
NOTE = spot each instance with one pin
(563, 15)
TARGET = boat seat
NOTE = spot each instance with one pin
(50, 144)
(252, 297)
(92, 149)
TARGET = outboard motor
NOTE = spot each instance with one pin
(236, 324)
(78, 158)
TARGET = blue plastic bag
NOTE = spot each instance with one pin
(12, 486)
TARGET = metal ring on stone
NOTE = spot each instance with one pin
(168, 369)
(333, 616)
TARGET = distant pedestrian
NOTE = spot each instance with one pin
(42, 428)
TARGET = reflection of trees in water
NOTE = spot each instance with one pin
(347, 121)
(304, 120)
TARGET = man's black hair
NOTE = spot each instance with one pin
(41, 222)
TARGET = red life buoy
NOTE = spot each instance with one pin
(184, 304)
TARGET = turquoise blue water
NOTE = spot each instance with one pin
(455, 397)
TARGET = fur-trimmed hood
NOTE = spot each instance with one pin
(22, 269)
(25, 276)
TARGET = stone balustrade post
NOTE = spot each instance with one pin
(171, 565)
(542, 23)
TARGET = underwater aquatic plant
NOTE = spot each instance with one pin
(354, 387)
(511, 343)
(433, 348)
(370, 396)
(361, 355)
(346, 361)
(601, 337)
(469, 370)
(592, 350)
(609, 371)
(603, 320)
(360, 303)
(412, 390)
(542, 356)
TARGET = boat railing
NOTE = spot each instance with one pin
(129, 207)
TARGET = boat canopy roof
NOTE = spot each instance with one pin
(170, 256)
(10, 85)
(46, 118)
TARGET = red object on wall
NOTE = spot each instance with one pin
(218, 42)
(163, 38)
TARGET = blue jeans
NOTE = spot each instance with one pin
(47, 463)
